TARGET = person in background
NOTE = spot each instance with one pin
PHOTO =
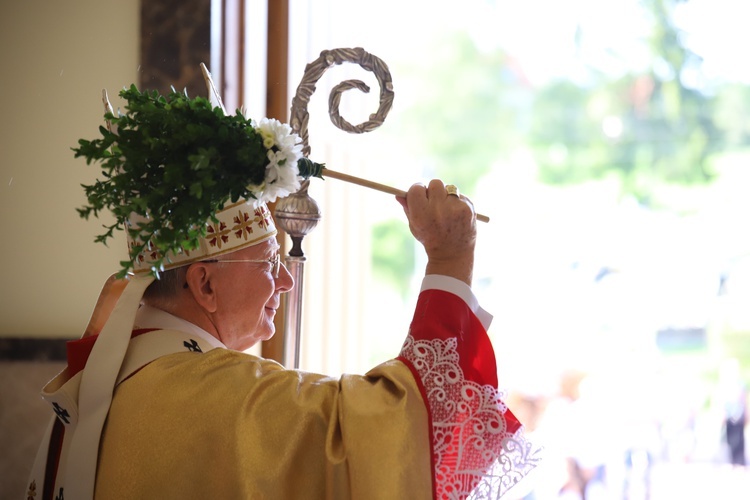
(733, 395)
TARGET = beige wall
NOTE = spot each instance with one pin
(56, 57)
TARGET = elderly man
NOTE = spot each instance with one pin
(164, 403)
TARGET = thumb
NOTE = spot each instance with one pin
(404, 204)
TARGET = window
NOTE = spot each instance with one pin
(607, 142)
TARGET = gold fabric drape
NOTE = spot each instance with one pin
(268, 433)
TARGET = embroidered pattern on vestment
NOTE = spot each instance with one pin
(475, 454)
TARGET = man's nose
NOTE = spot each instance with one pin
(284, 282)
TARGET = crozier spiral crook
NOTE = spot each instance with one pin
(314, 71)
(298, 214)
(300, 117)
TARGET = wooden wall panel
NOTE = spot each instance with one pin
(175, 39)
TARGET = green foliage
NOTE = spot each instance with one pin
(393, 254)
(174, 161)
(731, 109)
(566, 142)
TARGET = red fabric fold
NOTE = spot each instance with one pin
(453, 361)
(78, 351)
(442, 315)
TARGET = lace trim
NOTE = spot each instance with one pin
(475, 454)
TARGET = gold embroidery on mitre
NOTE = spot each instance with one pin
(263, 217)
(217, 234)
(148, 253)
(239, 225)
(243, 225)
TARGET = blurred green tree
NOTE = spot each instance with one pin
(393, 254)
(649, 127)
(468, 110)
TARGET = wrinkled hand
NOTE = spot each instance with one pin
(446, 226)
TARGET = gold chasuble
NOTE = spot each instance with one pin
(229, 425)
(191, 421)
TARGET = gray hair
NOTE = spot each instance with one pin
(167, 287)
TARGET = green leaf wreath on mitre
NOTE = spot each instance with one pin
(176, 160)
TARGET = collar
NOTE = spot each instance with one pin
(149, 317)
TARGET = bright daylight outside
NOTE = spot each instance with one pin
(609, 143)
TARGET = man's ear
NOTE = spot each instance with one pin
(199, 278)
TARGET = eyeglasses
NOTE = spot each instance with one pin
(275, 262)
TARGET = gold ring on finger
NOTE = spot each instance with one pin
(452, 191)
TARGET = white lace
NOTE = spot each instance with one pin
(475, 454)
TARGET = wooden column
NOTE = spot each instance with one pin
(277, 106)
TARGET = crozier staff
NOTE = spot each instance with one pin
(161, 400)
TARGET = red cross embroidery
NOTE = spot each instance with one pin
(217, 234)
(263, 217)
(243, 225)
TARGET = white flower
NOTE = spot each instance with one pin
(284, 151)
